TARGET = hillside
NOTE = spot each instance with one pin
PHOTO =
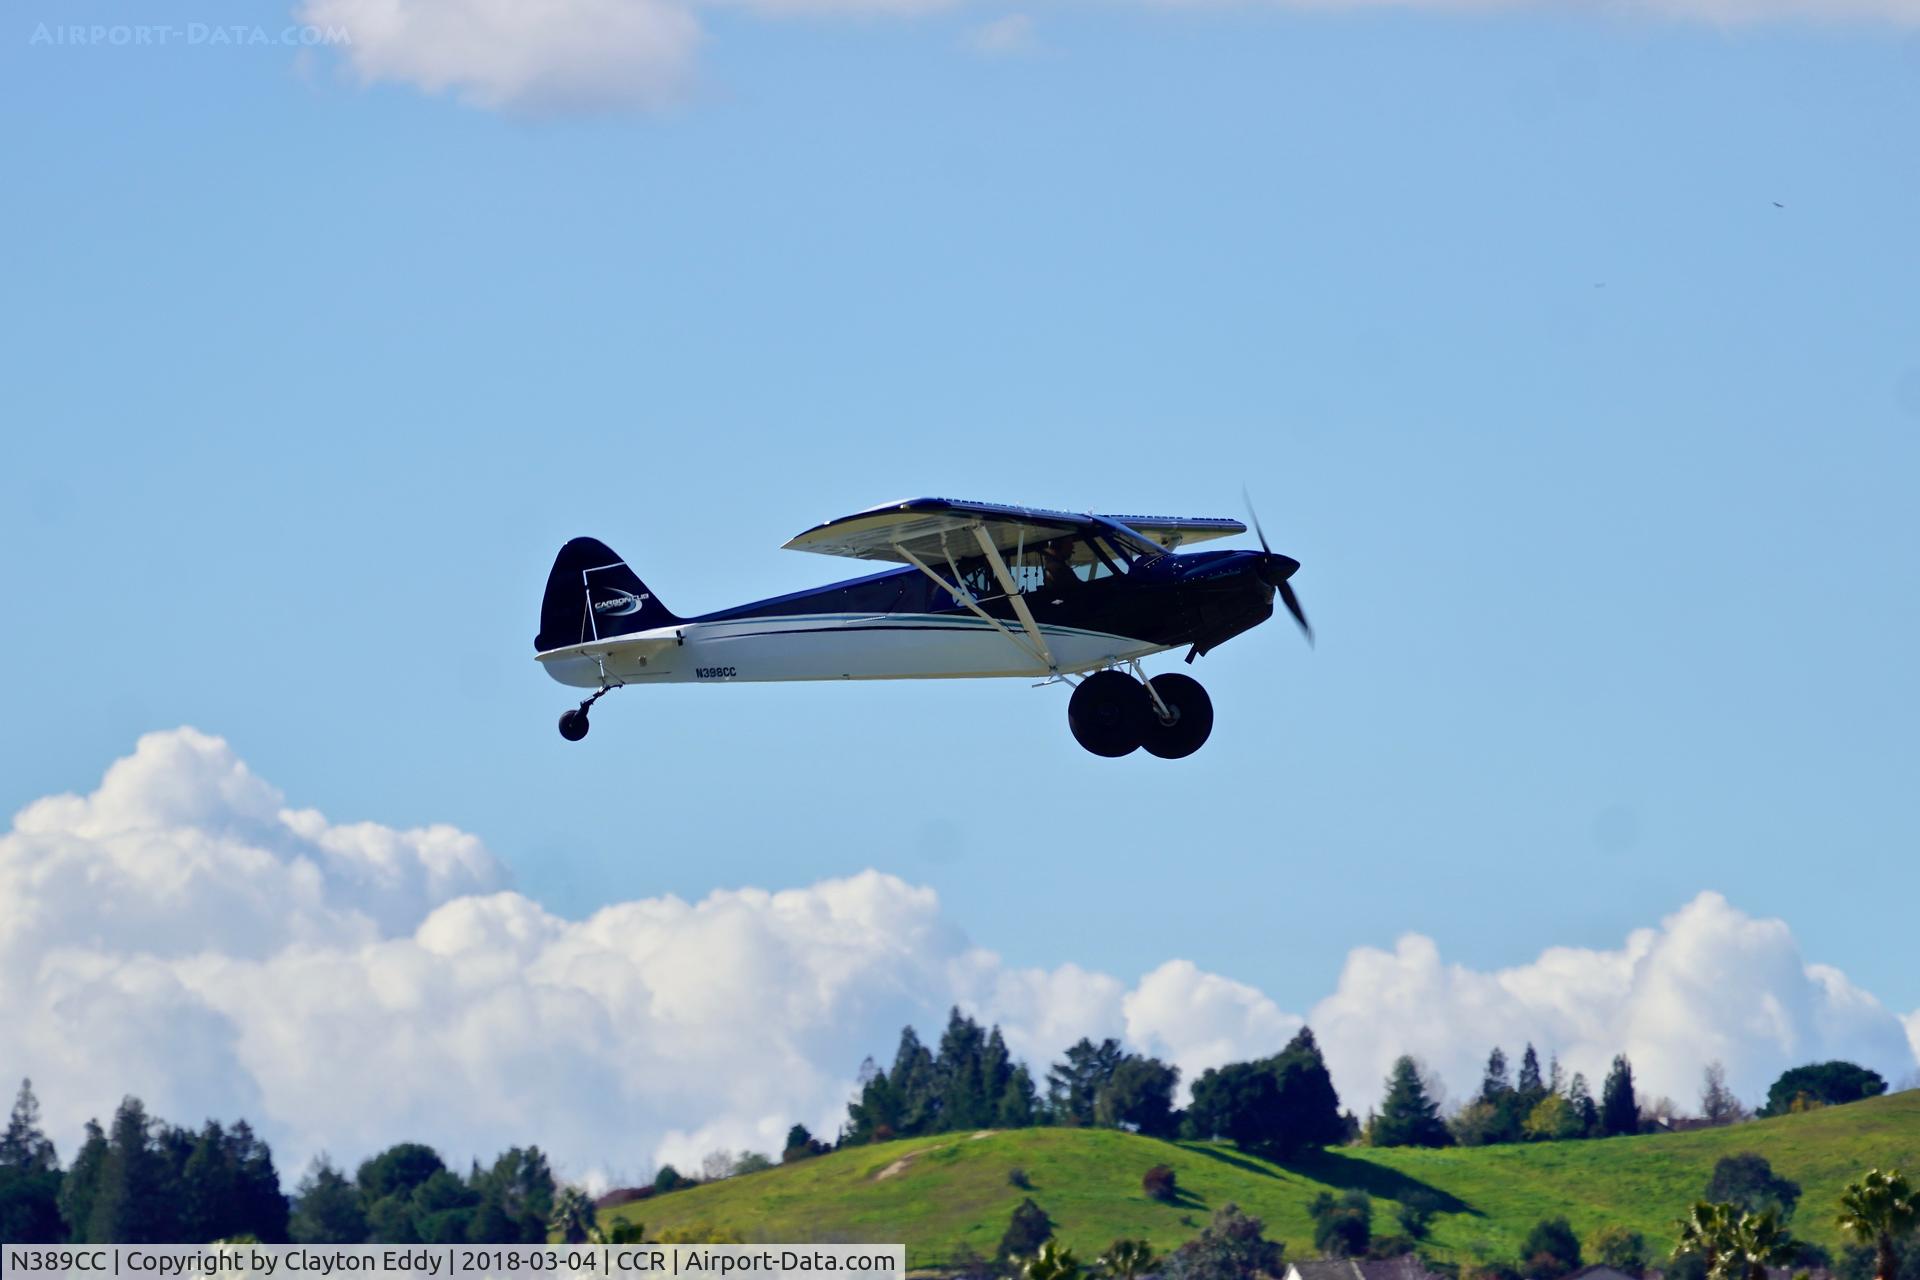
(941, 1193)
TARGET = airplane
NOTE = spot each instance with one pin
(982, 590)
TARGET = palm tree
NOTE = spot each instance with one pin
(1053, 1261)
(1126, 1259)
(1733, 1244)
(1708, 1231)
(1759, 1242)
(1878, 1210)
(573, 1216)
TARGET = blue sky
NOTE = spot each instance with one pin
(1600, 464)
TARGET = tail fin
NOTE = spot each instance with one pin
(592, 595)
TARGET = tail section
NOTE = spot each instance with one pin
(592, 595)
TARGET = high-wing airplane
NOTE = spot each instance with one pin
(983, 590)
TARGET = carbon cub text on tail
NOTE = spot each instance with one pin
(593, 595)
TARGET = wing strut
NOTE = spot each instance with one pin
(1018, 601)
(965, 597)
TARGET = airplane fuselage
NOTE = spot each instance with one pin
(900, 624)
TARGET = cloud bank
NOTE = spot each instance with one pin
(558, 55)
(182, 934)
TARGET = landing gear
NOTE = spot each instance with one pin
(1188, 717)
(1114, 714)
(1109, 713)
(573, 724)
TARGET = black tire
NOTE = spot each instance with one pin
(1192, 717)
(1110, 713)
(573, 725)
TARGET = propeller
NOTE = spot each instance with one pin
(1277, 570)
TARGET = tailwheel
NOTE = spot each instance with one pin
(1188, 719)
(1110, 713)
(573, 724)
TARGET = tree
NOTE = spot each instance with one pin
(1159, 1184)
(1309, 1106)
(1718, 1106)
(801, 1145)
(668, 1179)
(1731, 1244)
(29, 1177)
(1051, 1261)
(1619, 1111)
(81, 1187)
(1554, 1120)
(1551, 1250)
(1620, 1248)
(398, 1170)
(1019, 1104)
(326, 1208)
(1073, 1085)
(1239, 1102)
(1342, 1228)
(1232, 1246)
(1823, 1083)
(1027, 1230)
(1879, 1210)
(1138, 1096)
(1581, 1100)
(520, 1186)
(573, 1216)
(137, 1200)
(1530, 1087)
(912, 1079)
(1408, 1117)
(1748, 1181)
(1494, 1083)
(1416, 1212)
(1126, 1259)
(24, 1148)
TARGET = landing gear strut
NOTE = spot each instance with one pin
(1114, 714)
(573, 724)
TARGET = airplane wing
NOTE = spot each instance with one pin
(934, 528)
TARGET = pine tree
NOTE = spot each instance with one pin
(1581, 1100)
(1408, 1117)
(1309, 1105)
(24, 1147)
(29, 1177)
(876, 1114)
(1073, 1085)
(959, 1076)
(1619, 1110)
(81, 1187)
(1495, 1085)
(138, 1199)
(1530, 1086)
(914, 1086)
(1019, 1103)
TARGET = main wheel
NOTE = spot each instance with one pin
(573, 725)
(1110, 713)
(1191, 722)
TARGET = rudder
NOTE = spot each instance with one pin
(593, 595)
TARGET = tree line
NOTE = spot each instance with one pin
(143, 1181)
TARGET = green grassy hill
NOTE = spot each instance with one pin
(938, 1194)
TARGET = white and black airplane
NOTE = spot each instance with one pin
(984, 590)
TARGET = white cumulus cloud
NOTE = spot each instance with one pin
(183, 935)
(1711, 983)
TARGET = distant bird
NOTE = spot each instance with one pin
(1778, 205)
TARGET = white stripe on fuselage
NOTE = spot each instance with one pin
(833, 646)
